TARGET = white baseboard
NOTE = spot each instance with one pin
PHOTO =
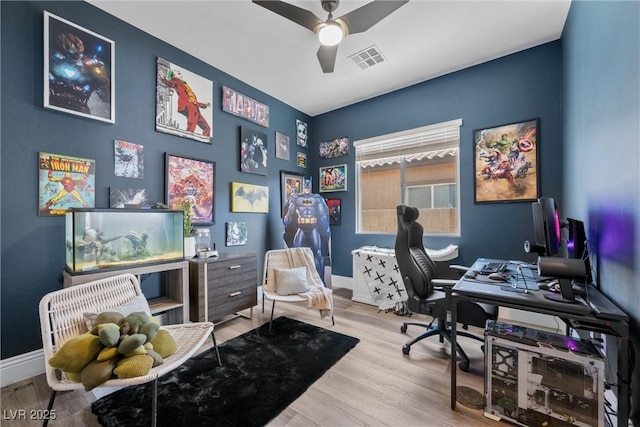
(30, 364)
(341, 282)
(21, 367)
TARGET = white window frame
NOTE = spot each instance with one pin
(410, 138)
(432, 194)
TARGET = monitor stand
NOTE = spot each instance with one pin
(566, 292)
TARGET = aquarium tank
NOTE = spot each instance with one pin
(101, 239)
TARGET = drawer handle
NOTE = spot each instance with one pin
(233, 267)
(235, 294)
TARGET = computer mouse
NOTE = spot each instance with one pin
(498, 276)
(551, 285)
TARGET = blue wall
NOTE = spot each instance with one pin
(585, 90)
(32, 246)
(514, 88)
(601, 99)
(511, 89)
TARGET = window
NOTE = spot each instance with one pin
(418, 167)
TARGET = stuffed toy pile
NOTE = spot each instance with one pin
(115, 347)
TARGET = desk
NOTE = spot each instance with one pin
(601, 315)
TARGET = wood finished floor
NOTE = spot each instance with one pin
(373, 385)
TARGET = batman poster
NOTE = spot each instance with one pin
(249, 198)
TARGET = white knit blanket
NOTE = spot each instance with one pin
(318, 296)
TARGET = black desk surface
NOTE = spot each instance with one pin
(593, 304)
(598, 314)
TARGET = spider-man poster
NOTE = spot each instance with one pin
(128, 159)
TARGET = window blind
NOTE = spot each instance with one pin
(439, 140)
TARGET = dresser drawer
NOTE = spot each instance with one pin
(231, 286)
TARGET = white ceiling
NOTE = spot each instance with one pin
(421, 40)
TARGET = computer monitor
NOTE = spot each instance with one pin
(546, 226)
(577, 245)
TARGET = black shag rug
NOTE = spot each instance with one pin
(261, 374)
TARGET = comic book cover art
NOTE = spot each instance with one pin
(128, 159)
(301, 159)
(335, 148)
(236, 233)
(184, 102)
(65, 182)
(335, 211)
(191, 180)
(506, 162)
(253, 151)
(79, 70)
(333, 178)
(121, 197)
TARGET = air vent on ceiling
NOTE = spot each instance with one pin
(367, 57)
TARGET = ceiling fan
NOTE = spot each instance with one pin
(332, 31)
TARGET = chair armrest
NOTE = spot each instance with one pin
(460, 269)
(443, 283)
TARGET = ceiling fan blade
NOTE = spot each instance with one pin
(370, 14)
(327, 57)
(293, 13)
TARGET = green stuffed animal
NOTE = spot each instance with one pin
(116, 346)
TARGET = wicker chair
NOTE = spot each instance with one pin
(61, 318)
(279, 258)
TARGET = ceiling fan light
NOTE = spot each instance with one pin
(330, 34)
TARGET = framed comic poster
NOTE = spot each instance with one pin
(301, 159)
(249, 198)
(128, 197)
(236, 233)
(302, 134)
(242, 106)
(184, 102)
(506, 163)
(290, 183)
(335, 211)
(79, 70)
(65, 182)
(253, 151)
(128, 159)
(283, 150)
(335, 148)
(333, 178)
(191, 180)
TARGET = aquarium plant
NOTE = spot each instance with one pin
(187, 209)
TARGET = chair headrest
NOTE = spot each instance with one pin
(409, 214)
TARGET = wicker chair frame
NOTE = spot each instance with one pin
(278, 258)
(62, 318)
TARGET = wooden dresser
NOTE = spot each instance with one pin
(229, 284)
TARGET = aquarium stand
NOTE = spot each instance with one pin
(173, 305)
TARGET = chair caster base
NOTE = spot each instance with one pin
(464, 366)
(403, 328)
(406, 349)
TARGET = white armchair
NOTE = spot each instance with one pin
(317, 296)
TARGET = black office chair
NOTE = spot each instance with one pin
(427, 294)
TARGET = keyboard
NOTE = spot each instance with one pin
(493, 267)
